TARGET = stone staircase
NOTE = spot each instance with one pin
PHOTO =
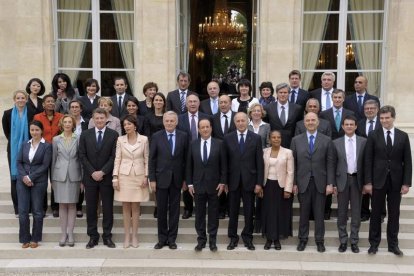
(144, 259)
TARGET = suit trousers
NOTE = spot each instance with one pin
(393, 195)
(309, 200)
(365, 209)
(168, 206)
(210, 202)
(92, 193)
(234, 208)
(223, 203)
(188, 201)
(351, 194)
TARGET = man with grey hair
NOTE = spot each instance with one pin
(282, 115)
(312, 105)
(324, 94)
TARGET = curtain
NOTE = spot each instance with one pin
(73, 25)
(184, 35)
(314, 28)
(367, 27)
(125, 30)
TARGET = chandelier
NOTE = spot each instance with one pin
(221, 32)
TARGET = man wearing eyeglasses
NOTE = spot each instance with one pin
(355, 101)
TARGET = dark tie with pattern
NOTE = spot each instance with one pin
(360, 104)
(371, 126)
(311, 144)
(241, 142)
(170, 141)
(283, 116)
(99, 139)
(182, 100)
(193, 128)
(292, 96)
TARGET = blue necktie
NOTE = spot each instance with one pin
(337, 120)
(328, 100)
(241, 142)
(292, 96)
(360, 104)
(205, 152)
(193, 128)
(215, 106)
(182, 100)
(119, 105)
(371, 126)
(99, 138)
(311, 145)
(170, 141)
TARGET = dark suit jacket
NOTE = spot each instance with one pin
(351, 103)
(88, 107)
(165, 168)
(316, 94)
(324, 127)
(378, 164)
(143, 108)
(206, 177)
(341, 164)
(302, 97)
(320, 163)
(328, 115)
(217, 129)
(247, 167)
(205, 107)
(114, 110)
(38, 169)
(184, 123)
(94, 159)
(174, 101)
(362, 127)
(288, 130)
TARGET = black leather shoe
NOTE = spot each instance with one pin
(277, 245)
(232, 244)
(213, 247)
(187, 214)
(249, 245)
(364, 218)
(342, 247)
(91, 244)
(55, 213)
(320, 247)
(222, 216)
(396, 251)
(159, 245)
(109, 243)
(199, 246)
(267, 245)
(354, 248)
(301, 246)
(155, 212)
(382, 219)
(372, 250)
(172, 245)
(327, 215)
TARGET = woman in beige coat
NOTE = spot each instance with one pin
(130, 176)
(278, 184)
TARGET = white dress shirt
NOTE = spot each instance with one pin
(222, 119)
(33, 149)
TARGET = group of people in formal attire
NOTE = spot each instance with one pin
(215, 153)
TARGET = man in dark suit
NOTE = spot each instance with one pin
(297, 95)
(244, 156)
(97, 147)
(120, 98)
(223, 123)
(335, 117)
(365, 127)
(206, 178)
(324, 94)
(324, 127)
(282, 115)
(314, 178)
(188, 122)
(176, 98)
(355, 102)
(349, 164)
(388, 173)
(166, 173)
(210, 106)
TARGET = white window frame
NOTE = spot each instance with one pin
(255, 49)
(95, 40)
(341, 70)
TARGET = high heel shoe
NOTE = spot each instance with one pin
(70, 241)
(134, 243)
(63, 241)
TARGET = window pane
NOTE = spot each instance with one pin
(111, 56)
(74, 25)
(349, 82)
(107, 82)
(121, 5)
(108, 27)
(314, 24)
(365, 26)
(367, 55)
(71, 54)
(327, 57)
(74, 4)
(374, 81)
(80, 81)
(364, 5)
(320, 5)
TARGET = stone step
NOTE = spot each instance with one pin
(147, 220)
(188, 235)
(202, 267)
